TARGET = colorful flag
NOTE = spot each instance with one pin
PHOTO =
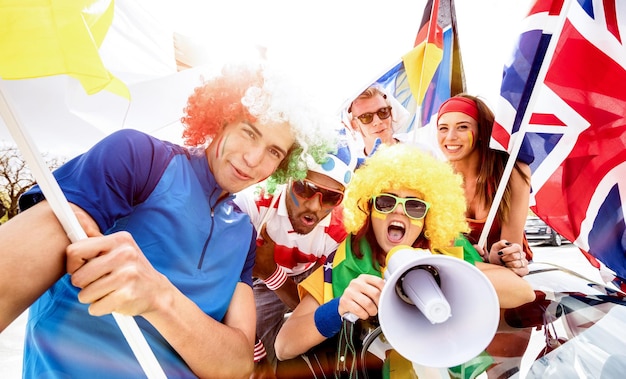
(431, 72)
(563, 92)
(44, 38)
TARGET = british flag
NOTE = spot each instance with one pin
(564, 94)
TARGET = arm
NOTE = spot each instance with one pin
(511, 289)
(508, 250)
(115, 276)
(265, 265)
(300, 332)
(300, 323)
(212, 349)
(288, 293)
(32, 258)
(513, 229)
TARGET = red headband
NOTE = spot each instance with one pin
(459, 104)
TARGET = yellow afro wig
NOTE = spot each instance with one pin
(402, 166)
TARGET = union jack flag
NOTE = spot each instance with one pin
(563, 92)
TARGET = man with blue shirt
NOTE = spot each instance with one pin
(167, 244)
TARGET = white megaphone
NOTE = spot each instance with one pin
(436, 310)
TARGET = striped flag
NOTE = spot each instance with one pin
(432, 71)
(563, 92)
(429, 73)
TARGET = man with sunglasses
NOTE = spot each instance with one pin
(298, 226)
(379, 116)
(374, 117)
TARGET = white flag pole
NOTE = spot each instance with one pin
(519, 138)
(75, 232)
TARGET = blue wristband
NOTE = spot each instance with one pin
(327, 319)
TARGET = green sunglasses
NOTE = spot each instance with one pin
(413, 208)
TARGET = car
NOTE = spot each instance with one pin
(538, 231)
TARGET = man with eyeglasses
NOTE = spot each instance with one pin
(374, 116)
(379, 116)
(298, 226)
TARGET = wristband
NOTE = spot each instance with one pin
(277, 279)
(327, 319)
(259, 351)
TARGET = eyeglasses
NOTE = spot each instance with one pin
(382, 113)
(414, 208)
(307, 189)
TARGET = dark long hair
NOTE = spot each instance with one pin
(493, 162)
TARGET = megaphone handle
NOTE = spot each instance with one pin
(349, 316)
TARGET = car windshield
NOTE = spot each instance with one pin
(534, 222)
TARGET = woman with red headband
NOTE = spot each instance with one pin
(464, 129)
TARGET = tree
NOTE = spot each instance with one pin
(16, 178)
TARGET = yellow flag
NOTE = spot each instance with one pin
(54, 37)
(421, 63)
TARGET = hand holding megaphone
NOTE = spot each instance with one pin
(419, 286)
(360, 298)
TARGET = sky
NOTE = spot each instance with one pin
(340, 46)
(332, 48)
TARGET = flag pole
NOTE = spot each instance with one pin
(61, 208)
(519, 138)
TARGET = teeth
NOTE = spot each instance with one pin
(397, 224)
(453, 147)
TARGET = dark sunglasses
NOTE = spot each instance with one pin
(307, 189)
(414, 208)
(382, 113)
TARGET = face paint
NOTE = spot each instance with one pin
(470, 136)
(378, 215)
(221, 143)
(294, 198)
(419, 223)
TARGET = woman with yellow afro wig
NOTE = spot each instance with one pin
(406, 167)
(400, 196)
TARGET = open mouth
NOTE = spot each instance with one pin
(396, 231)
(308, 220)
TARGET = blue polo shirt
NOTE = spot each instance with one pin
(167, 198)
